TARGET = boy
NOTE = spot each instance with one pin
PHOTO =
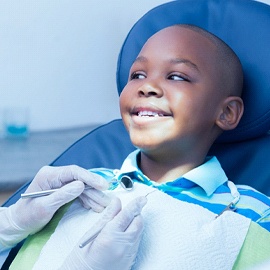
(181, 95)
(183, 92)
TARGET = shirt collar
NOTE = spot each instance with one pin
(209, 176)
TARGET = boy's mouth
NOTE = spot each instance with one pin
(149, 114)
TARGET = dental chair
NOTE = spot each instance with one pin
(244, 152)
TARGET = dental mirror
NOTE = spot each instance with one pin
(126, 183)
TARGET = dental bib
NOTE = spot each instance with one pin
(177, 234)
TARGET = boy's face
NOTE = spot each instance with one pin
(173, 94)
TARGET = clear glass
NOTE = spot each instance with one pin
(16, 122)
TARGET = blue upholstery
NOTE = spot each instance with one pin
(245, 152)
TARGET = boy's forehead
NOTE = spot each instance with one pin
(177, 34)
(183, 41)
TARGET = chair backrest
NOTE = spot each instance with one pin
(242, 24)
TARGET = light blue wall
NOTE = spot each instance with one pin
(58, 58)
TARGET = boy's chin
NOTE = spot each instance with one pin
(144, 145)
(149, 150)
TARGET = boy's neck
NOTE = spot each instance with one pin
(168, 169)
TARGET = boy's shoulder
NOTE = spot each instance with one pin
(251, 192)
(256, 203)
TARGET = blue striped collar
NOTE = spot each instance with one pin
(209, 176)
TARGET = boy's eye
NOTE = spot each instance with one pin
(137, 75)
(177, 77)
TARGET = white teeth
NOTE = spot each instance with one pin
(149, 114)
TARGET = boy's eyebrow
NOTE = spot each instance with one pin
(174, 61)
(184, 61)
(140, 59)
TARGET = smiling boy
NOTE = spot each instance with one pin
(183, 91)
(180, 96)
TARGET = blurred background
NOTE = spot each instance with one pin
(57, 76)
(58, 58)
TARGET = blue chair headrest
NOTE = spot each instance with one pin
(243, 24)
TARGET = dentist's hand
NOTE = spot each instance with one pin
(117, 244)
(29, 215)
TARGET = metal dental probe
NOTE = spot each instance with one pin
(125, 181)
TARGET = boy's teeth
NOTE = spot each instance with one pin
(149, 113)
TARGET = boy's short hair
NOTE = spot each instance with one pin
(233, 72)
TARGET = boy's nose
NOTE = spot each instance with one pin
(149, 89)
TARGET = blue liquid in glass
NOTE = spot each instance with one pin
(16, 131)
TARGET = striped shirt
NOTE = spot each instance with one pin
(206, 185)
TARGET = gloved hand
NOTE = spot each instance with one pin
(117, 244)
(29, 215)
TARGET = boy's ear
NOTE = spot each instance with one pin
(231, 113)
